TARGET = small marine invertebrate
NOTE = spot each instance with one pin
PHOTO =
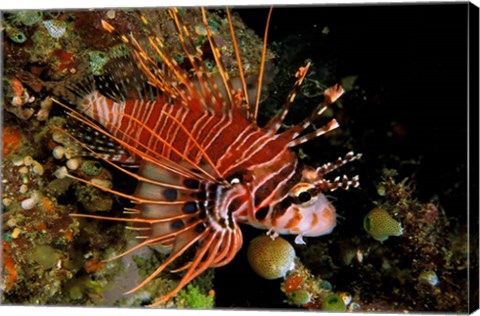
(92, 167)
(98, 60)
(73, 163)
(346, 297)
(15, 34)
(31, 202)
(333, 303)
(55, 28)
(380, 225)
(429, 277)
(270, 259)
(300, 297)
(45, 107)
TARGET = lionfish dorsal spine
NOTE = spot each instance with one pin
(276, 121)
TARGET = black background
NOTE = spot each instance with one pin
(412, 61)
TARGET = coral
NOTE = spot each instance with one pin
(93, 199)
(292, 283)
(271, 259)
(26, 17)
(380, 225)
(198, 294)
(419, 260)
(304, 289)
(92, 167)
(12, 137)
(51, 58)
(15, 34)
(21, 100)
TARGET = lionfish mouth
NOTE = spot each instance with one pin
(204, 163)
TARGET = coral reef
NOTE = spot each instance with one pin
(47, 55)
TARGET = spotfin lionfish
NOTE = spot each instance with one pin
(205, 165)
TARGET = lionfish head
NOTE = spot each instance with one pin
(305, 210)
(316, 214)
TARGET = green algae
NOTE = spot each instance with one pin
(26, 17)
(98, 60)
(333, 303)
(92, 167)
(93, 199)
(118, 51)
(46, 256)
(194, 298)
(300, 297)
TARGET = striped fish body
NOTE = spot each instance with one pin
(260, 168)
(205, 164)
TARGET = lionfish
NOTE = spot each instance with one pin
(205, 165)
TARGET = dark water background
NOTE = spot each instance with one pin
(411, 61)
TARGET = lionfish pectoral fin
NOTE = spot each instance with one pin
(122, 79)
(229, 248)
(197, 266)
(299, 240)
(179, 249)
(93, 143)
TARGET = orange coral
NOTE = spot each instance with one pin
(93, 265)
(69, 234)
(11, 139)
(42, 226)
(17, 87)
(46, 205)
(9, 274)
(292, 283)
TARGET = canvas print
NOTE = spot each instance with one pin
(293, 157)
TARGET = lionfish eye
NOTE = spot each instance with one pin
(302, 193)
(304, 197)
